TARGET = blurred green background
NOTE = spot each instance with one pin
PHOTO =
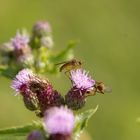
(109, 34)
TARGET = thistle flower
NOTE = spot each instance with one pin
(38, 94)
(59, 123)
(18, 50)
(22, 51)
(20, 41)
(46, 95)
(41, 28)
(82, 83)
(81, 80)
(20, 83)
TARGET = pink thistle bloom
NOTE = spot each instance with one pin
(81, 80)
(82, 83)
(19, 84)
(37, 93)
(20, 41)
(59, 121)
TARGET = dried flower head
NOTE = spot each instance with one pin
(59, 121)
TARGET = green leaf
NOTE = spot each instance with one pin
(11, 137)
(19, 133)
(67, 53)
(7, 72)
(81, 121)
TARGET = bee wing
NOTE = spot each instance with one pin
(64, 62)
(61, 63)
(108, 90)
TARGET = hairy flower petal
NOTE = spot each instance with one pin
(81, 79)
(20, 41)
(21, 79)
(59, 121)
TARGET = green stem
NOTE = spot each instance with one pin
(21, 129)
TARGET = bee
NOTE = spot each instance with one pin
(99, 87)
(69, 65)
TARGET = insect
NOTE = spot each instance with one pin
(99, 87)
(70, 65)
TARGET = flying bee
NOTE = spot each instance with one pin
(99, 87)
(70, 65)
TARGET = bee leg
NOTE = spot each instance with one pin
(100, 92)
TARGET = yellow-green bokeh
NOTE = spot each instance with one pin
(109, 34)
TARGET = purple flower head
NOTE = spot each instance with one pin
(20, 41)
(37, 93)
(59, 121)
(19, 84)
(82, 83)
(81, 80)
(42, 28)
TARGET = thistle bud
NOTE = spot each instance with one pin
(49, 99)
(82, 83)
(47, 42)
(31, 101)
(41, 28)
(36, 135)
(75, 99)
